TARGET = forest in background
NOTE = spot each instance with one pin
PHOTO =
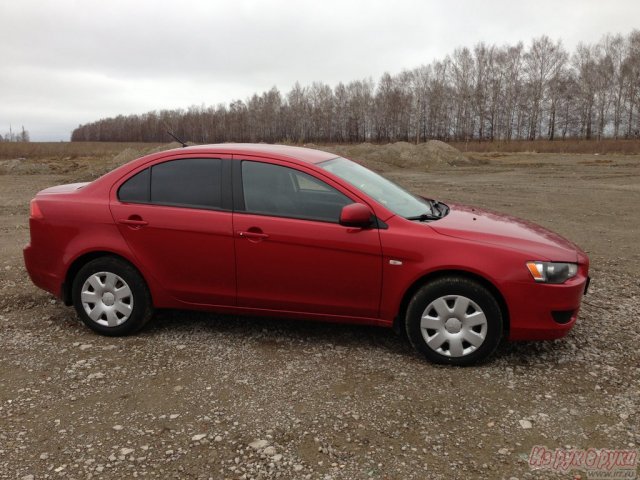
(11, 136)
(487, 93)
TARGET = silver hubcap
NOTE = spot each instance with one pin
(107, 299)
(453, 326)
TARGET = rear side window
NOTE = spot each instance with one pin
(136, 189)
(194, 182)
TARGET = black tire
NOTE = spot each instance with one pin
(452, 290)
(109, 307)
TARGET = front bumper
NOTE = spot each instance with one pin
(540, 311)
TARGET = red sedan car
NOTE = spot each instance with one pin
(286, 231)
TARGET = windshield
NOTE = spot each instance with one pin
(377, 187)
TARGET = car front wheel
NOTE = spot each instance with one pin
(454, 321)
(111, 297)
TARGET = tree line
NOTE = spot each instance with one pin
(488, 92)
(11, 136)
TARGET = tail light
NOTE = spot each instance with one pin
(34, 210)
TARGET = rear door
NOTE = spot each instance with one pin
(176, 218)
(291, 252)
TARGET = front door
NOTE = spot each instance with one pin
(291, 252)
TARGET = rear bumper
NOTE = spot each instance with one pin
(544, 312)
(41, 277)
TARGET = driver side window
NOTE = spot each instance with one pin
(285, 192)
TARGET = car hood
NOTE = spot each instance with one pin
(471, 223)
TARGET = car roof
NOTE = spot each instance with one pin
(309, 155)
(298, 155)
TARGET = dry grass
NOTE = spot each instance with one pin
(555, 146)
(75, 150)
(66, 150)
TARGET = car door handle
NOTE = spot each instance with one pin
(253, 235)
(133, 222)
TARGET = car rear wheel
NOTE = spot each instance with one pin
(111, 297)
(454, 321)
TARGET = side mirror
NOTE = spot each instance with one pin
(356, 215)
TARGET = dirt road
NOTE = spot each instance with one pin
(205, 396)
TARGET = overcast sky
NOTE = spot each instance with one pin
(67, 62)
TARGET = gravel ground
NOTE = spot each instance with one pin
(205, 396)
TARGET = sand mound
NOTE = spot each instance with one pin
(80, 167)
(129, 154)
(423, 156)
(442, 153)
(126, 156)
(168, 146)
(22, 166)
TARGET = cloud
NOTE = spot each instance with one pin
(69, 62)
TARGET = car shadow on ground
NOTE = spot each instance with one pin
(318, 334)
(268, 329)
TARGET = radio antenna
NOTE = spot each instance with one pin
(176, 138)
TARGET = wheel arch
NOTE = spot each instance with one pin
(81, 261)
(398, 323)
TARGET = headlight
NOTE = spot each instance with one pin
(552, 272)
